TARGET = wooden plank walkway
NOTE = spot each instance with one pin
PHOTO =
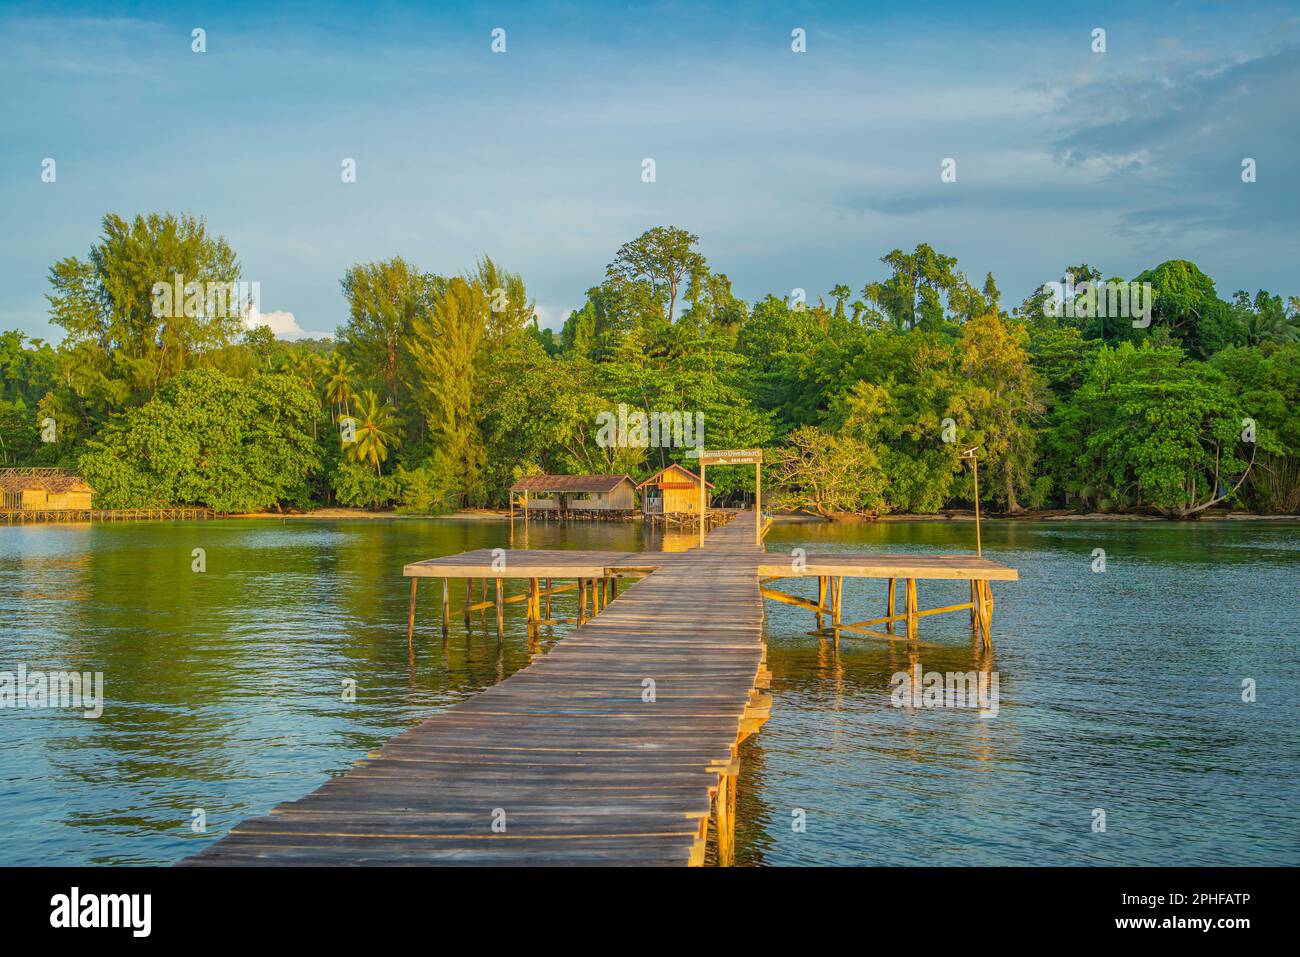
(618, 746)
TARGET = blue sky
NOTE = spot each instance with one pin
(796, 170)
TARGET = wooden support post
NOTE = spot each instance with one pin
(724, 820)
(986, 613)
(839, 600)
(909, 602)
(821, 599)
(582, 601)
(733, 779)
(534, 603)
(548, 599)
(446, 606)
(889, 610)
(410, 620)
(974, 606)
(501, 621)
(469, 597)
(613, 587)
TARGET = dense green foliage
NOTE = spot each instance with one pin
(208, 439)
(440, 390)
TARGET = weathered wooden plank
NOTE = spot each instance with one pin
(585, 768)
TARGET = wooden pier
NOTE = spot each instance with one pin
(23, 516)
(620, 745)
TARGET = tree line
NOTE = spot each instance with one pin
(439, 390)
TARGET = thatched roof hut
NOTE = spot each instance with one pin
(47, 489)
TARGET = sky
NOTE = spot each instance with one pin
(796, 170)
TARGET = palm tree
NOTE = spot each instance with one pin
(338, 386)
(376, 430)
(1268, 325)
(303, 365)
(306, 367)
(1266, 318)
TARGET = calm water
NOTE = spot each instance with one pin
(1119, 691)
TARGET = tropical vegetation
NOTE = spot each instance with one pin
(439, 390)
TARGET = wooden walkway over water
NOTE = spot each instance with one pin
(23, 516)
(617, 746)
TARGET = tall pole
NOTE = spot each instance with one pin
(975, 471)
(704, 505)
(758, 504)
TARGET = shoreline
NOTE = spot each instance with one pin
(794, 518)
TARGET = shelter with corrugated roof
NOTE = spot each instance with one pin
(576, 493)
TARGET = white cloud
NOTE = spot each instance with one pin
(549, 317)
(282, 323)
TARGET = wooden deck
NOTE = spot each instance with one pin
(939, 567)
(831, 570)
(566, 761)
(620, 744)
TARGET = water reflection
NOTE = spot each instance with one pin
(1119, 690)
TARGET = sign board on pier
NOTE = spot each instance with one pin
(732, 457)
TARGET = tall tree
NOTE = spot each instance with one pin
(383, 299)
(840, 293)
(1185, 303)
(509, 308)
(913, 294)
(123, 340)
(1003, 399)
(445, 346)
(663, 257)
